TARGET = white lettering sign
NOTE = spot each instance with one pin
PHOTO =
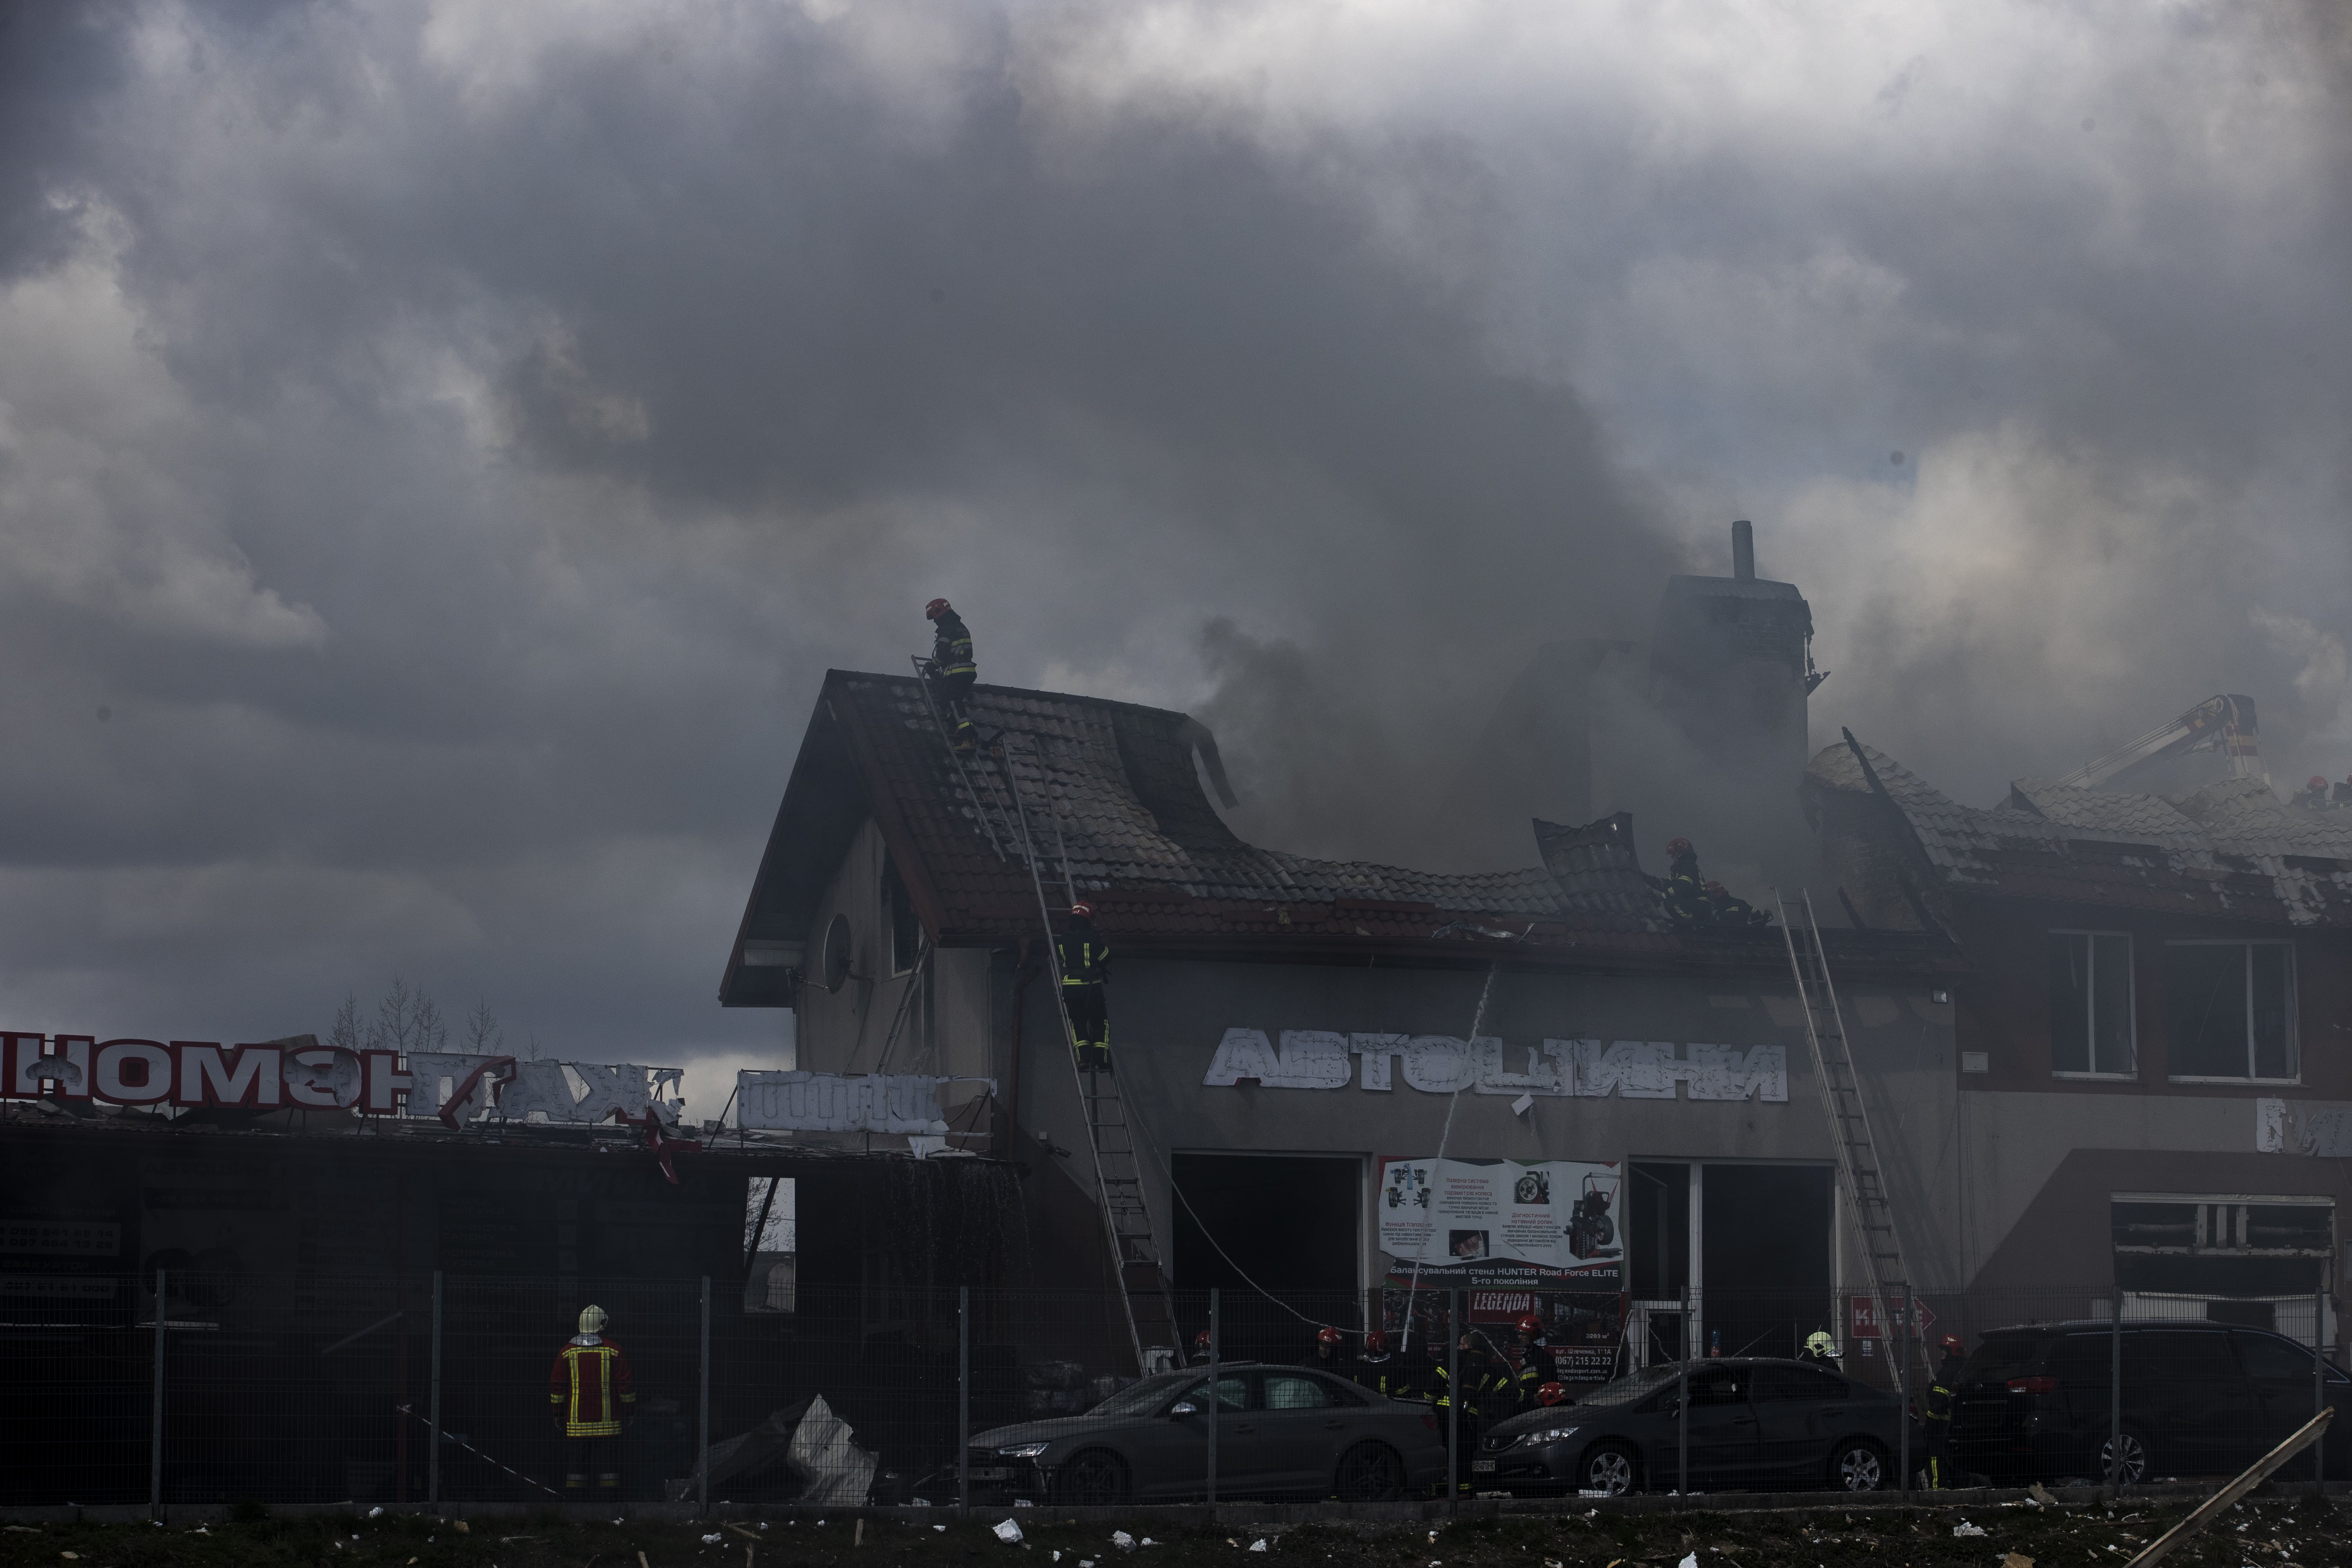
(830, 1103)
(1445, 1064)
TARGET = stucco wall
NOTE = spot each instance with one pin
(1168, 1016)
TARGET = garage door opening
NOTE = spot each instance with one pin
(1290, 1222)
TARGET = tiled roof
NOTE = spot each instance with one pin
(1109, 801)
(1108, 793)
(2232, 851)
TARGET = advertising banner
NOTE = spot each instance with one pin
(1502, 1222)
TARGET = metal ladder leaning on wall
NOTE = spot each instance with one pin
(1119, 1173)
(1860, 1171)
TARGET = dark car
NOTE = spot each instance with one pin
(2198, 1399)
(1281, 1432)
(1752, 1422)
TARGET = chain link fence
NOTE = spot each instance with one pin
(193, 1388)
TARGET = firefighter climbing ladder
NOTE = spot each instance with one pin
(1860, 1171)
(1110, 1137)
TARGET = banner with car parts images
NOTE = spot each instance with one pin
(1555, 1220)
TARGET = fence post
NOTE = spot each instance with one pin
(155, 1420)
(2115, 1394)
(1216, 1410)
(433, 1436)
(2319, 1386)
(1902, 1385)
(1454, 1399)
(1682, 1402)
(963, 1400)
(702, 1446)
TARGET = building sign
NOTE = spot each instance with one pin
(1444, 1064)
(831, 1102)
(1862, 1318)
(301, 1073)
(2316, 1127)
(1502, 1221)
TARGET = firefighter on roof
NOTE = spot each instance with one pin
(591, 1399)
(1085, 959)
(953, 669)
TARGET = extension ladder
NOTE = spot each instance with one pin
(1152, 1330)
(1861, 1174)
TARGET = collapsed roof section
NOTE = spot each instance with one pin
(1110, 798)
(2231, 851)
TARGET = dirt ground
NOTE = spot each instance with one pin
(2258, 1533)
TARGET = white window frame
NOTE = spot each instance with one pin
(2294, 1012)
(2091, 1012)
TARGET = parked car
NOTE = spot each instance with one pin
(2198, 1399)
(1753, 1422)
(1281, 1432)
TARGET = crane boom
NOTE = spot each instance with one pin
(2225, 723)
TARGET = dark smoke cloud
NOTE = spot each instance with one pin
(449, 442)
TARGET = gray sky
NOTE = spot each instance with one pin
(442, 445)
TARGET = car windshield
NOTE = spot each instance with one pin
(1632, 1386)
(2004, 1356)
(1142, 1398)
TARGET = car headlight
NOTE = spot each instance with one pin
(1022, 1451)
(1549, 1435)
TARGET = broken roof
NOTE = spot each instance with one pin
(1108, 797)
(2232, 850)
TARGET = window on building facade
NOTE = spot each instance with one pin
(905, 930)
(2091, 1003)
(2230, 1009)
(2238, 1247)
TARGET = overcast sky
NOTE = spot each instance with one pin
(442, 445)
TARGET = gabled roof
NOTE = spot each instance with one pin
(1109, 801)
(2229, 851)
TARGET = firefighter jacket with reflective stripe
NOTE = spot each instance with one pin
(1391, 1377)
(952, 647)
(1939, 1393)
(1085, 956)
(1482, 1381)
(1535, 1371)
(588, 1389)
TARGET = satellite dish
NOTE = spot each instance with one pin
(836, 952)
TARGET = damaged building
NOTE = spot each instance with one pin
(2098, 1035)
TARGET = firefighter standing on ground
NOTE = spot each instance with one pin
(1085, 959)
(1939, 1412)
(1383, 1373)
(1332, 1354)
(1486, 1390)
(590, 1396)
(1537, 1367)
(1819, 1347)
(953, 667)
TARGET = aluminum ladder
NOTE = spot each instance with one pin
(1135, 1249)
(1861, 1174)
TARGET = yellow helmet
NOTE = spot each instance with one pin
(1820, 1342)
(592, 1320)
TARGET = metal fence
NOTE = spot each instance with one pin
(194, 1388)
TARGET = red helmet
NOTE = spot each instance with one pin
(1678, 846)
(1331, 1337)
(2317, 782)
(1200, 1341)
(1717, 890)
(1083, 907)
(1529, 1325)
(1377, 1341)
(935, 609)
(1551, 1393)
(1954, 1343)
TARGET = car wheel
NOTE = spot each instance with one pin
(2134, 1454)
(1858, 1467)
(1094, 1478)
(1370, 1472)
(1610, 1469)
